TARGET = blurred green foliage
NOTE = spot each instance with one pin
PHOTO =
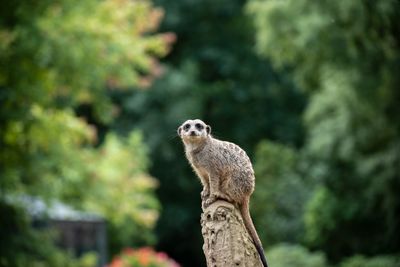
(284, 255)
(345, 55)
(278, 201)
(56, 57)
(116, 175)
(379, 261)
(308, 88)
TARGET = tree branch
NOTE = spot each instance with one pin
(226, 240)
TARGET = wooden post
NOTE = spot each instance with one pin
(226, 240)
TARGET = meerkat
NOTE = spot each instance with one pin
(224, 169)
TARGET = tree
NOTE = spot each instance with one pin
(55, 57)
(346, 56)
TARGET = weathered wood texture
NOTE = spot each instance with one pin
(226, 240)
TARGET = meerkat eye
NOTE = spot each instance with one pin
(199, 126)
(186, 127)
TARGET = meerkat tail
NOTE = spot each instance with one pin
(244, 210)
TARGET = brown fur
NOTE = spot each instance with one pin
(224, 169)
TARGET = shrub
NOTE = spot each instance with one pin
(284, 255)
(378, 261)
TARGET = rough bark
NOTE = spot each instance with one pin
(226, 240)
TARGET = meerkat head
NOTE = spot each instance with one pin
(194, 131)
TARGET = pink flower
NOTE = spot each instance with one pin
(128, 251)
(116, 262)
(162, 256)
(142, 257)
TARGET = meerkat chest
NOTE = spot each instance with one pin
(203, 161)
(199, 160)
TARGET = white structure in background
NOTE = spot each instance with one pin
(79, 231)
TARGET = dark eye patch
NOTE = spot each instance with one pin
(199, 126)
(186, 127)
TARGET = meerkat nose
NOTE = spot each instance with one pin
(192, 133)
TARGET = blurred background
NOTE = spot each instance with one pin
(92, 172)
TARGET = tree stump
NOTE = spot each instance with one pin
(226, 240)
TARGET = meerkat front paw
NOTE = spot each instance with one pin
(204, 205)
(211, 199)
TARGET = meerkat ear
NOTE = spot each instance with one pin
(179, 130)
(208, 129)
